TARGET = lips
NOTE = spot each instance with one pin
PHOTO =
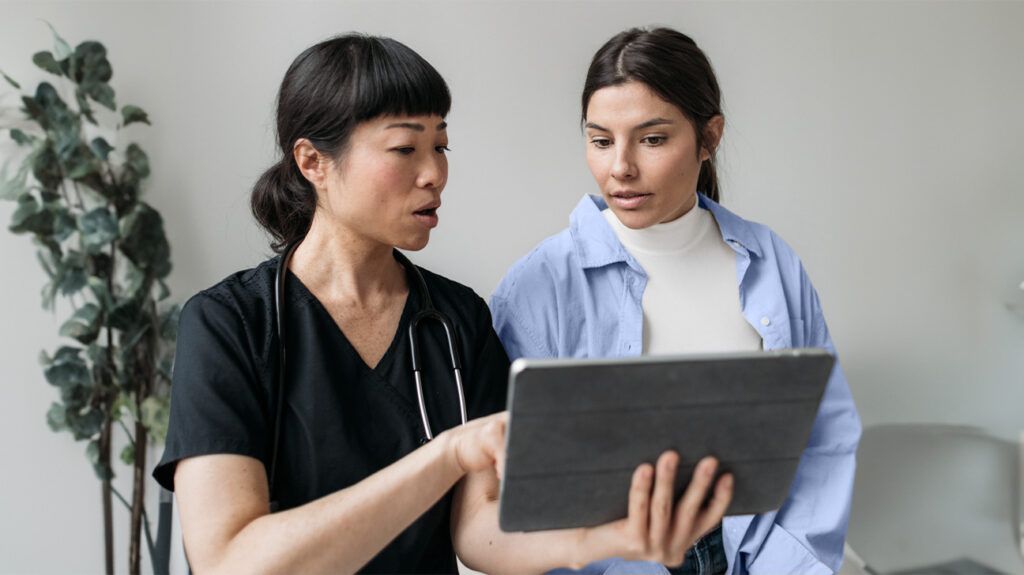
(629, 199)
(427, 215)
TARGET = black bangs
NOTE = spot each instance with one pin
(391, 79)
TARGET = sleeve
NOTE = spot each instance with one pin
(217, 402)
(512, 329)
(807, 534)
(489, 391)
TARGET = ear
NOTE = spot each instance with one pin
(712, 136)
(311, 162)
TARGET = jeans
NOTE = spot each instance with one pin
(706, 557)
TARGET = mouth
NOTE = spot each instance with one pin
(427, 215)
(629, 199)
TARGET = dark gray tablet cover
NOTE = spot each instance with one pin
(579, 428)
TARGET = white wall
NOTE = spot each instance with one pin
(883, 141)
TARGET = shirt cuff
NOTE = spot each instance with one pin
(783, 553)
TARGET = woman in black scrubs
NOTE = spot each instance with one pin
(357, 485)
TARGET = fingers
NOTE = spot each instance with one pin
(663, 499)
(686, 526)
(480, 444)
(494, 440)
(639, 505)
(715, 510)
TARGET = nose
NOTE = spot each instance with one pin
(623, 166)
(434, 173)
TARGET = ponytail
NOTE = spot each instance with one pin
(283, 202)
(707, 181)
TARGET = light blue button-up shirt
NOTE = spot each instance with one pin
(579, 294)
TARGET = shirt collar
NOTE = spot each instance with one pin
(596, 244)
(735, 230)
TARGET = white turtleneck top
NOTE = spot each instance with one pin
(691, 303)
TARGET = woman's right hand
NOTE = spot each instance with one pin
(658, 529)
(479, 444)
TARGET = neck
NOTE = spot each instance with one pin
(338, 264)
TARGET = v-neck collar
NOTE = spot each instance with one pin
(303, 294)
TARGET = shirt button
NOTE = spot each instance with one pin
(765, 321)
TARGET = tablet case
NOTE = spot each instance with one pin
(578, 429)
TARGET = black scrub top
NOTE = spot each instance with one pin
(342, 420)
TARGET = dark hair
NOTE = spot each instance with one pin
(670, 64)
(329, 89)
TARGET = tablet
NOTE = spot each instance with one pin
(578, 428)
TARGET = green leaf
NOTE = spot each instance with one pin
(31, 217)
(60, 48)
(128, 454)
(72, 273)
(132, 114)
(101, 92)
(143, 241)
(46, 61)
(101, 292)
(10, 80)
(136, 165)
(68, 369)
(83, 325)
(57, 417)
(98, 228)
(84, 107)
(21, 137)
(15, 186)
(92, 64)
(125, 314)
(101, 148)
(156, 412)
(63, 223)
(46, 169)
(82, 163)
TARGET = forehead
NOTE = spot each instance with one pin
(627, 105)
(427, 124)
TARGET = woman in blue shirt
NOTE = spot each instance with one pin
(655, 265)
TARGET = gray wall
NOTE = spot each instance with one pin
(881, 140)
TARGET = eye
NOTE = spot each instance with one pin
(405, 150)
(654, 140)
(600, 143)
(442, 149)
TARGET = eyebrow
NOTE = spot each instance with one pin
(647, 124)
(415, 126)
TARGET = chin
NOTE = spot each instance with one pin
(635, 220)
(414, 243)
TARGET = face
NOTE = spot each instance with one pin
(387, 185)
(642, 151)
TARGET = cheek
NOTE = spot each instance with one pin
(597, 164)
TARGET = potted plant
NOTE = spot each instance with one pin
(104, 251)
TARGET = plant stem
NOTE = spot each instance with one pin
(126, 432)
(138, 500)
(108, 517)
(78, 193)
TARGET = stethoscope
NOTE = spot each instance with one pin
(427, 312)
